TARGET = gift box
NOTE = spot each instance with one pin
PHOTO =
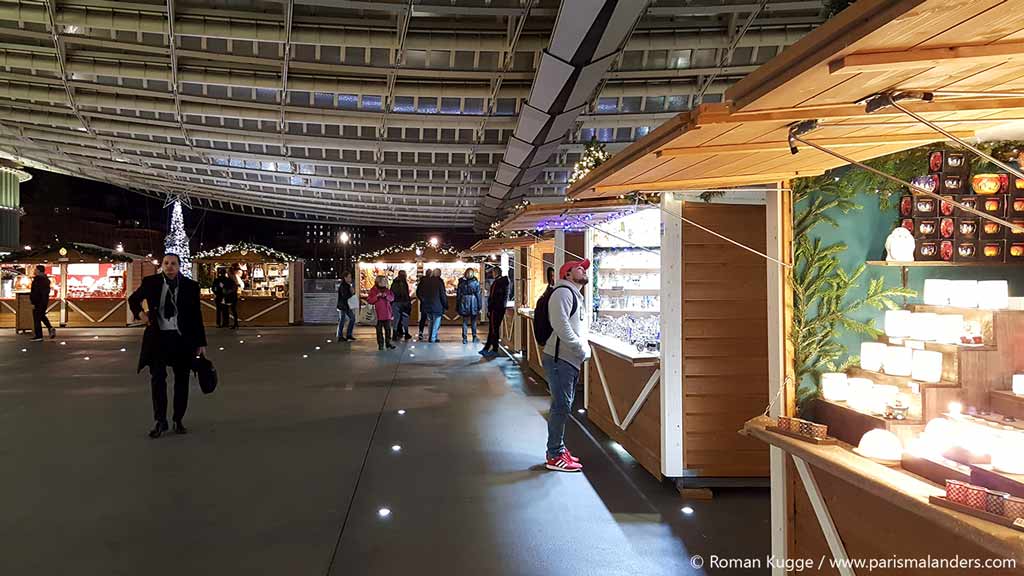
(926, 228)
(970, 202)
(994, 205)
(988, 184)
(813, 429)
(948, 162)
(956, 491)
(947, 228)
(925, 206)
(952, 184)
(785, 423)
(992, 230)
(967, 229)
(1015, 252)
(946, 208)
(1013, 507)
(995, 502)
(977, 497)
(926, 250)
(992, 251)
(965, 252)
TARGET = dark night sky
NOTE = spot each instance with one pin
(47, 191)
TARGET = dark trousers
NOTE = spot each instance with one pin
(38, 319)
(383, 333)
(401, 312)
(225, 311)
(423, 321)
(494, 319)
(172, 354)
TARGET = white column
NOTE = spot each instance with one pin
(671, 337)
(776, 369)
(588, 299)
(559, 251)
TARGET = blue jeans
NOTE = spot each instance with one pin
(351, 317)
(466, 322)
(401, 311)
(435, 324)
(562, 378)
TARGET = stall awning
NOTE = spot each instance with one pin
(566, 215)
(243, 252)
(489, 246)
(968, 54)
(68, 252)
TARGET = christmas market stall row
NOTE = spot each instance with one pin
(864, 316)
(511, 254)
(269, 283)
(415, 259)
(89, 285)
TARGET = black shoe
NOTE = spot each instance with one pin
(158, 430)
(179, 428)
(380, 348)
(53, 333)
(392, 346)
(408, 336)
(464, 341)
(37, 339)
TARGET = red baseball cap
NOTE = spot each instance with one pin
(568, 267)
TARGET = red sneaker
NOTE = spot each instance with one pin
(571, 457)
(563, 463)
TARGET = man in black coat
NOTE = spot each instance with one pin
(174, 335)
(40, 299)
(225, 292)
(497, 300)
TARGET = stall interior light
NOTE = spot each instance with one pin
(687, 510)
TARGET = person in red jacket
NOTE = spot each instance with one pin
(381, 298)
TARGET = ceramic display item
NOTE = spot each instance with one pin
(956, 491)
(924, 206)
(1018, 204)
(927, 229)
(951, 185)
(927, 250)
(966, 252)
(1016, 250)
(986, 184)
(967, 230)
(908, 224)
(947, 209)
(897, 410)
(995, 502)
(994, 205)
(906, 206)
(929, 182)
(946, 250)
(899, 246)
(1016, 234)
(1013, 507)
(968, 202)
(991, 231)
(977, 497)
(993, 250)
(946, 228)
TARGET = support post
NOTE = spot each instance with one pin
(671, 389)
(781, 392)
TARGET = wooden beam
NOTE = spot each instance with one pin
(927, 58)
(691, 184)
(841, 111)
(754, 147)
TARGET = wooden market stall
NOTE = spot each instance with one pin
(507, 253)
(827, 500)
(270, 283)
(415, 259)
(89, 284)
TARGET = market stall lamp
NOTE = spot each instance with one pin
(955, 409)
(859, 393)
(964, 294)
(872, 354)
(937, 292)
(581, 411)
(305, 355)
(834, 386)
(994, 295)
(1018, 384)
(899, 361)
(434, 241)
(927, 366)
(898, 323)
(881, 445)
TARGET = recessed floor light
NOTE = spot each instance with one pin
(124, 349)
(305, 355)
(86, 358)
(412, 355)
(396, 448)
(63, 343)
(95, 337)
(581, 411)
(317, 347)
(328, 340)
(384, 512)
(241, 341)
(24, 349)
(687, 510)
(401, 412)
(221, 348)
(259, 335)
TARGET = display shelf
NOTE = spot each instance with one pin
(631, 289)
(1008, 403)
(629, 310)
(939, 264)
(606, 269)
(901, 381)
(623, 349)
(944, 347)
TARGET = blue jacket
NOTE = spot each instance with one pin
(432, 295)
(469, 297)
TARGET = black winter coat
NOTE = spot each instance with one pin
(344, 293)
(497, 298)
(40, 293)
(433, 295)
(190, 314)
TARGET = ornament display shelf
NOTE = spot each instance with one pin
(849, 425)
(630, 289)
(629, 310)
(929, 402)
(1008, 403)
(941, 264)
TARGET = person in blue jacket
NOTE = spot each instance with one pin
(469, 300)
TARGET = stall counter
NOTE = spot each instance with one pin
(252, 310)
(530, 347)
(878, 511)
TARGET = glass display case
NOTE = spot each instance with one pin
(627, 280)
(94, 280)
(16, 278)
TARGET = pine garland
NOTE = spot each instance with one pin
(269, 253)
(593, 156)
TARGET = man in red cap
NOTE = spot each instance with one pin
(564, 354)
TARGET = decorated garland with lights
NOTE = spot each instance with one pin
(246, 248)
(100, 253)
(420, 245)
(593, 156)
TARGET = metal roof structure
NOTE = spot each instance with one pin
(386, 112)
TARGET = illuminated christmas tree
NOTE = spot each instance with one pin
(177, 240)
(593, 156)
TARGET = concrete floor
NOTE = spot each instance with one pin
(288, 463)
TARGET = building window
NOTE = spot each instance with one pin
(372, 102)
(607, 105)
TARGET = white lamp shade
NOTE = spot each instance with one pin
(859, 393)
(1018, 384)
(834, 386)
(994, 294)
(924, 326)
(880, 445)
(1008, 453)
(964, 293)
(949, 328)
(898, 323)
(872, 354)
(927, 366)
(936, 292)
(899, 361)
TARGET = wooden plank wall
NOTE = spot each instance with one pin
(725, 340)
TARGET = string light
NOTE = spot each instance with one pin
(177, 239)
(419, 247)
(246, 248)
(593, 156)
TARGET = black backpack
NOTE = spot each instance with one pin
(542, 329)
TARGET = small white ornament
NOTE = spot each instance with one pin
(899, 246)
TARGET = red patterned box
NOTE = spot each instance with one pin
(977, 497)
(1013, 507)
(995, 502)
(785, 423)
(956, 491)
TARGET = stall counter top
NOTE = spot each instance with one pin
(895, 486)
(624, 350)
(528, 312)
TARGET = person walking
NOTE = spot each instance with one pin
(469, 300)
(381, 298)
(433, 302)
(39, 297)
(345, 311)
(497, 300)
(421, 289)
(401, 308)
(564, 354)
(225, 292)
(174, 336)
